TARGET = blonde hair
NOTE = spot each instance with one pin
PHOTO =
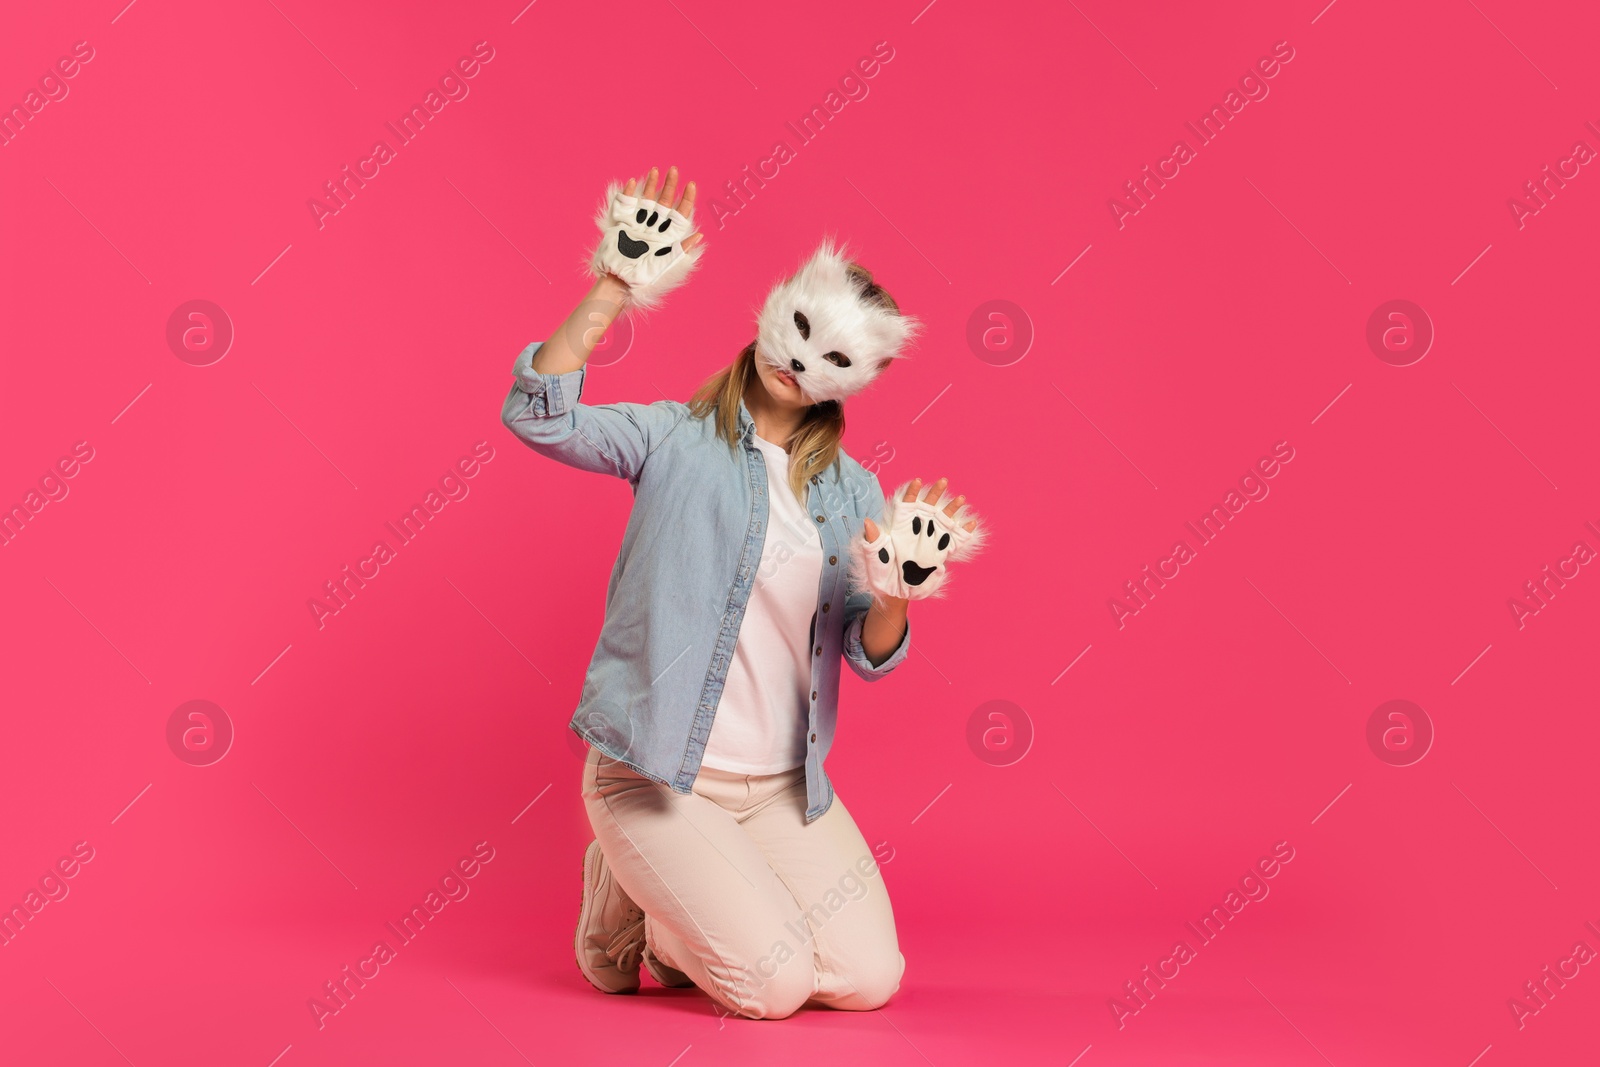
(814, 446)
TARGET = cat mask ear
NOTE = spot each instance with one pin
(820, 326)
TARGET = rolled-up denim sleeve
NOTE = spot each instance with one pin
(870, 501)
(855, 653)
(545, 411)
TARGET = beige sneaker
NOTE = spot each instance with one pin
(610, 935)
(670, 977)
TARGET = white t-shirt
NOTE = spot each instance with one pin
(761, 721)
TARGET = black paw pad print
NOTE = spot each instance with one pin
(911, 572)
(917, 528)
(647, 218)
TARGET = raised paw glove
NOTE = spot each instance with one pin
(916, 541)
(641, 242)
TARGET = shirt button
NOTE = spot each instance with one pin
(819, 650)
(824, 607)
(833, 559)
(819, 518)
(813, 694)
(813, 738)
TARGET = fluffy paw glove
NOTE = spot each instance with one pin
(916, 541)
(641, 242)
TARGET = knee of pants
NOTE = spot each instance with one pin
(757, 996)
(872, 984)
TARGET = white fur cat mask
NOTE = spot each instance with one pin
(817, 326)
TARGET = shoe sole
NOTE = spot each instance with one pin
(578, 950)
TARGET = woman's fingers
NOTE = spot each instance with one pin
(669, 192)
(935, 492)
(870, 531)
(664, 192)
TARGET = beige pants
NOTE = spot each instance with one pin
(763, 912)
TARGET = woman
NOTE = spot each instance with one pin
(722, 857)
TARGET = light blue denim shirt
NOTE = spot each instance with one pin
(683, 577)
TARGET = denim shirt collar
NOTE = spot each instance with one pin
(747, 430)
(747, 424)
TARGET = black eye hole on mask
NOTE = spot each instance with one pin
(838, 359)
(802, 324)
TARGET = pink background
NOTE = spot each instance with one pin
(1228, 715)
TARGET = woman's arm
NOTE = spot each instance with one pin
(582, 330)
(543, 408)
(545, 411)
(884, 629)
(877, 635)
